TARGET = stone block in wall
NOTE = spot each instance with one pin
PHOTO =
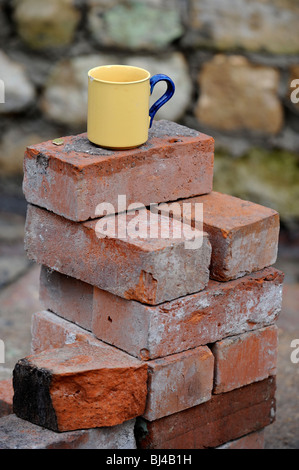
(237, 95)
(267, 177)
(176, 67)
(4, 24)
(258, 25)
(149, 25)
(46, 24)
(64, 98)
(19, 92)
(12, 145)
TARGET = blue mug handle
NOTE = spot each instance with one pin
(167, 95)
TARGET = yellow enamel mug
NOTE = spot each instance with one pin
(118, 114)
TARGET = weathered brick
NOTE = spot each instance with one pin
(243, 359)
(221, 310)
(6, 394)
(175, 382)
(49, 331)
(243, 235)
(133, 326)
(150, 270)
(66, 296)
(79, 386)
(16, 433)
(176, 162)
(253, 441)
(178, 382)
(224, 418)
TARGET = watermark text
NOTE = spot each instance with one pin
(2, 352)
(295, 353)
(295, 93)
(2, 91)
(163, 221)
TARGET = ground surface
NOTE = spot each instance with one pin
(19, 282)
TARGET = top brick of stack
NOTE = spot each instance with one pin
(71, 179)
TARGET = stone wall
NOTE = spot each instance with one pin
(233, 62)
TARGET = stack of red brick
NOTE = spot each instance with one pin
(143, 342)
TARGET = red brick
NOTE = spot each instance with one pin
(150, 270)
(73, 178)
(175, 382)
(244, 235)
(243, 359)
(178, 382)
(6, 394)
(221, 310)
(253, 441)
(16, 433)
(224, 418)
(50, 331)
(66, 296)
(79, 386)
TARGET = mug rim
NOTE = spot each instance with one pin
(118, 83)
